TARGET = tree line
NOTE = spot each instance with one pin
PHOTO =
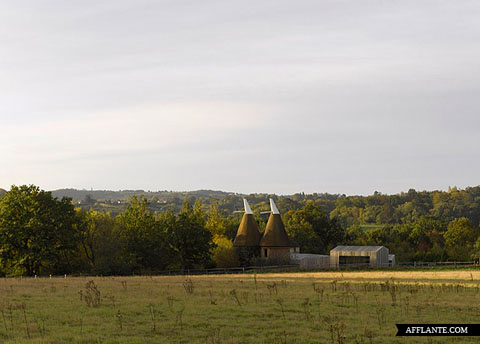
(376, 209)
(42, 234)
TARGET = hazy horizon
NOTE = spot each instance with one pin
(341, 97)
(249, 193)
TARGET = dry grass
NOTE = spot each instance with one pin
(381, 275)
(322, 307)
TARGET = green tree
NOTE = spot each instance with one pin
(427, 237)
(144, 238)
(224, 254)
(101, 244)
(188, 237)
(215, 222)
(329, 231)
(36, 231)
(356, 236)
(460, 232)
(301, 232)
(460, 238)
(312, 229)
(231, 226)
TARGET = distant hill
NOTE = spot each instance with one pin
(123, 195)
(115, 202)
(2, 192)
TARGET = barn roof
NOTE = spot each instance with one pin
(247, 234)
(358, 248)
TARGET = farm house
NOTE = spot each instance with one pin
(372, 256)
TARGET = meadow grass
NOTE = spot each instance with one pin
(320, 307)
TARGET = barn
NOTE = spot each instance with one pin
(359, 256)
(310, 261)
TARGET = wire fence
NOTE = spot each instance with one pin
(297, 268)
(291, 268)
(240, 270)
(432, 264)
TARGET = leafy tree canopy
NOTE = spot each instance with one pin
(36, 230)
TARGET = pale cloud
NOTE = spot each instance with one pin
(133, 130)
(275, 96)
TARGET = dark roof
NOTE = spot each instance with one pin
(275, 234)
(358, 248)
(247, 233)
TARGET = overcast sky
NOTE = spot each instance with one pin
(245, 96)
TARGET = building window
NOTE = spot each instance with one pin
(265, 252)
(354, 260)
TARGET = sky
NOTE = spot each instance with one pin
(346, 97)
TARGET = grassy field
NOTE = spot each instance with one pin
(321, 307)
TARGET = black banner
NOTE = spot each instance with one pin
(438, 329)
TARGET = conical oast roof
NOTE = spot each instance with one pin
(275, 234)
(248, 233)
